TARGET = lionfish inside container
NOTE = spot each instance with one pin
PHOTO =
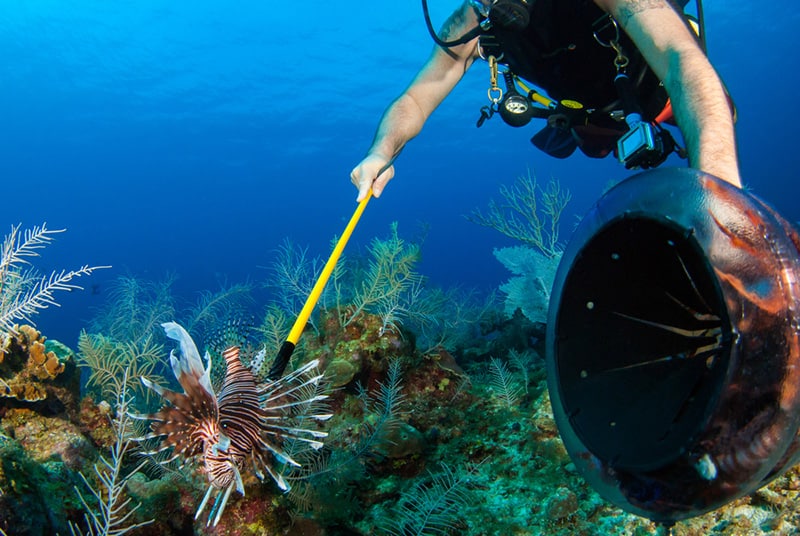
(246, 420)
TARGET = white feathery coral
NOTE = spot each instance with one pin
(23, 293)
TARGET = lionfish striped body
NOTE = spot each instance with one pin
(247, 420)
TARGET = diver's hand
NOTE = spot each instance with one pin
(372, 172)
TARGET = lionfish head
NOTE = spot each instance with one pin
(221, 465)
(223, 468)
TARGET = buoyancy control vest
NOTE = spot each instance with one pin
(563, 49)
(558, 52)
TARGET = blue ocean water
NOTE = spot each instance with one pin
(193, 137)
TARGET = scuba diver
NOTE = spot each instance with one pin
(613, 70)
(673, 328)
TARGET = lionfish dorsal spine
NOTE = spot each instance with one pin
(258, 362)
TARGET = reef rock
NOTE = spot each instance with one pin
(48, 439)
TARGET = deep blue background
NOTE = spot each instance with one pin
(194, 136)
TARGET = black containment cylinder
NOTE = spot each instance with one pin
(673, 346)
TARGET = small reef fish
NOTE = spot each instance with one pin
(247, 420)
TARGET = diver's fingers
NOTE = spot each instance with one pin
(359, 180)
(380, 182)
(372, 172)
(363, 191)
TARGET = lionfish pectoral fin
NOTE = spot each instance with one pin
(296, 403)
(258, 472)
(295, 433)
(153, 386)
(220, 498)
(283, 458)
(278, 478)
(279, 455)
(702, 332)
(148, 437)
(140, 416)
(282, 484)
(316, 445)
(186, 365)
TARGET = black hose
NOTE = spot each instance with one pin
(701, 24)
(466, 38)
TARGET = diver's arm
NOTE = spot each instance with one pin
(698, 99)
(404, 117)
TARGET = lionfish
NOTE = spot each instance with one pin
(248, 419)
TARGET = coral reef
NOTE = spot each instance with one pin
(37, 495)
(27, 365)
(37, 373)
(442, 425)
(360, 349)
(48, 438)
(110, 362)
(432, 506)
(388, 442)
(107, 507)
